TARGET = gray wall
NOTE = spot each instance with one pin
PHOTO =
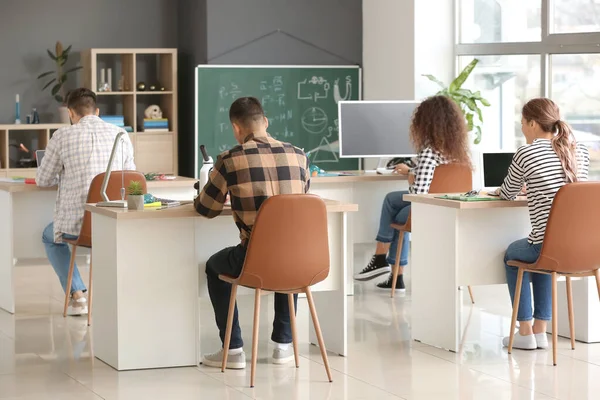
(29, 27)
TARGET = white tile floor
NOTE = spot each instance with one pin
(43, 356)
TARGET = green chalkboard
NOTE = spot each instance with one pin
(299, 101)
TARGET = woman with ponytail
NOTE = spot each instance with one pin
(550, 159)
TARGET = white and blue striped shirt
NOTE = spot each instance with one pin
(538, 166)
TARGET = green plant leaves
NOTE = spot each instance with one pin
(56, 88)
(73, 70)
(45, 74)
(52, 56)
(59, 98)
(436, 80)
(463, 76)
(477, 134)
(67, 50)
(49, 83)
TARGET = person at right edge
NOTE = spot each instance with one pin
(550, 159)
(258, 168)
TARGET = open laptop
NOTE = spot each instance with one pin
(39, 154)
(494, 168)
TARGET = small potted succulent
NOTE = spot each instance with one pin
(135, 196)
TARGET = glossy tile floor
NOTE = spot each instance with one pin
(43, 356)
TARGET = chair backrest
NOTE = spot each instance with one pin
(113, 191)
(289, 246)
(571, 242)
(449, 178)
(452, 178)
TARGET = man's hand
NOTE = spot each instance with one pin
(401, 169)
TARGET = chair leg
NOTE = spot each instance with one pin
(597, 273)
(315, 318)
(69, 280)
(255, 336)
(554, 316)
(471, 295)
(396, 267)
(513, 322)
(293, 326)
(229, 326)
(90, 296)
(571, 316)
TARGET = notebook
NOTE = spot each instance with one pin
(468, 198)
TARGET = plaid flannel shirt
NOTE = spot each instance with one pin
(427, 160)
(74, 156)
(259, 168)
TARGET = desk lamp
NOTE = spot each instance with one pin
(107, 202)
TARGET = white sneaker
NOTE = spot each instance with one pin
(541, 340)
(281, 356)
(234, 361)
(77, 307)
(526, 342)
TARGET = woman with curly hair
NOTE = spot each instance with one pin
(439, 134)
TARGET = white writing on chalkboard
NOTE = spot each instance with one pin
(314, 89)
(314, 120)
(336, 90)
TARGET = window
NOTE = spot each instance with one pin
(526, 53)
(571, 16)
(496, 21)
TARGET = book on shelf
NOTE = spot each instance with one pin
(156, 129)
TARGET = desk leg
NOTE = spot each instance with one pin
(145, 292)
(7, 294)
(331, 304)
(435, 306)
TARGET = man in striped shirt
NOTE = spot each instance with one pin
(550, 160)
(258, 168)
(74, 156)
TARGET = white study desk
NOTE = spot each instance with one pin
(25, 210)
(149, 273)
(457, 244)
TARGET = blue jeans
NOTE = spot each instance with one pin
(59, 256)
(522, 250)
(230, 261)
(394, 210)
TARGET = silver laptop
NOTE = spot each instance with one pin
(39, 154)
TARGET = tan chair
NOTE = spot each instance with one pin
(113, 191)
(570, 249)
(447, 178)
(286, 225)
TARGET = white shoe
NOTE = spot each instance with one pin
(526, 342)
(234, 361)
(541, 340)
(281, 356)
(77, 307)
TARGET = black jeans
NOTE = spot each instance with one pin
(230, 261)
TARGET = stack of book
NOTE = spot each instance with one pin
(117, 120)
(156, 125)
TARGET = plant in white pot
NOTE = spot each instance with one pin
(135, 196)
(60, 58)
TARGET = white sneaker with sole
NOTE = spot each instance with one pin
(234, 361)
(281, 356)
(526, 342)
(77, 307)
(542, 340)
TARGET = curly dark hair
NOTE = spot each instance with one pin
(439, 123)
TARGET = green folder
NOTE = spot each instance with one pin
(468, 198)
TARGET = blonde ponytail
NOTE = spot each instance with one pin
(564, 146)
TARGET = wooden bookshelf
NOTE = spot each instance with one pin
(154, 151)
(33, 137)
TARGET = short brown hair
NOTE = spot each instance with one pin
(246, 110)
(438, 123)
(82, 101)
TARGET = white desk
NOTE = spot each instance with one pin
(470, 239)
(146, 294)
(367, 190)
(25, 210)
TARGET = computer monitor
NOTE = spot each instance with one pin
(39, 155)
(375, 128)
(494, 167)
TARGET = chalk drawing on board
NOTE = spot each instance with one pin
(224, 147)
(314, 120)
(320, 89)
(300, 95)
(336, 90)
(326, 152)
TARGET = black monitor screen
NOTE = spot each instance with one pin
(495, 168)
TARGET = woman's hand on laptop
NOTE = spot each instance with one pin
(401, 169)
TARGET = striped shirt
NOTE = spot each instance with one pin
(252, 172)
(538, 166)
(74, 156)
(427, 160)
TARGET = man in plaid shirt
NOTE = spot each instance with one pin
(74, 156)
(258, 168)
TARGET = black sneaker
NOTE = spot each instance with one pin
(377, 267)
(387, 284)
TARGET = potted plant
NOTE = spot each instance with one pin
(135, 196)
(468, 101)
(60, 58)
